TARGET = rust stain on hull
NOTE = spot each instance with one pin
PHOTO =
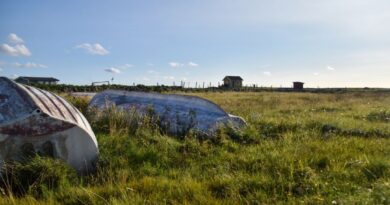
(36, 126)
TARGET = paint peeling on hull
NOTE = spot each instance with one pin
(177, 113)
(34, 120)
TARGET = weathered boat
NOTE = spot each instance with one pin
(34, 121)
(177, 113)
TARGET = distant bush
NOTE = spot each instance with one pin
(81, 103)
(64, 88)
(327, 130)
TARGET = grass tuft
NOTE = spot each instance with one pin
(298, 148)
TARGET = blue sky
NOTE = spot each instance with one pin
(332, 43)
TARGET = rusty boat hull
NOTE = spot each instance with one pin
(34, 121)
(177, 113)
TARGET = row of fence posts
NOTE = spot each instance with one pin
(203, 85)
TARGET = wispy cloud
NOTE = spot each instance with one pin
(118, 69)
(15, 39)
(316, 74)
(267, 73)
(168, 77)
(127, 66)
(150, 64)
(192, 64)
(93, 49)
(124, 67)
(146, 79)
(22, 65)
(330, 68)
(176, 64)
(113, 70)
(29, 65)
(152, 72)
(265, 66)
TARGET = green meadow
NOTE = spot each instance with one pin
(298, 148)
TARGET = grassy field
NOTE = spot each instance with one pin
(298, 148)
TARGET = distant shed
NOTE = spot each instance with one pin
(232, 81)
(298, 85)
(37, 80)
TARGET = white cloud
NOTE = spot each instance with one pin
(94, 49)
(118, 69)
(113, 70)
(330, 68)
(128, 66)
(19, 65)
(29, 65)
(169, 77)
(124, 67)
(192, 64)
(267, 73)
(150, 64)
(14, 39)
(17, 50)
(152, 72)
(1, 69)
(146, 79)
(176, 64)
(316, 74)
(265, 66)
(35, 65)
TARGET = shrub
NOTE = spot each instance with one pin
(381, 116)
(119, 121)
(375, 170)
(35, 176)
(250, 186)
(274, 130)
(81, 103)
(221, 188)
(321, 163)
(329, 129)
(303, 182)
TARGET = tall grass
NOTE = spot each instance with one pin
(298, 148)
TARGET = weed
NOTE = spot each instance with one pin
(36, 176)
(375, 170)
(380, 116)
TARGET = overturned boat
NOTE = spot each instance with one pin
(34, 121)
(178, 114)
